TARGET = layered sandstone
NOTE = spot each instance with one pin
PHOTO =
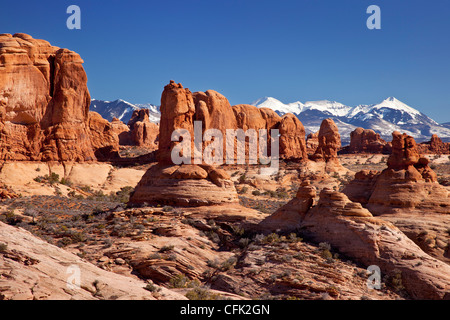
(185, 185)
(353, 231)
(312, 142)
(44, 102)
(33, 269)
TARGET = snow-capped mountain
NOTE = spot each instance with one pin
(122, 109)
(385, 117)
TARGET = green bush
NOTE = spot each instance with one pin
(256, 192)
(200, 293)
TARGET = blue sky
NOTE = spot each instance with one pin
(291, 50)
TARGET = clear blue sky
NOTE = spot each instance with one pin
(291, 50)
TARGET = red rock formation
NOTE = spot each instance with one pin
(434, 146)
(122, 131)
(329, 142)
(408, 184)
(185, 185)
(103, 137)
(367, 141)
(294, 211)
(177, 112)
(180, 108)
(143, 133)
(312, 142)
(292, 139)
(44, 102)
(353, 231)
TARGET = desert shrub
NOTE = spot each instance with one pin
(228, 264)
(202, 293)
(11, 218)
(152, 288)
(244, 242)
(243, 190)
(167, 209)
(271, 238)
(78, 237)
(166, 248)
(123, 195)
(325, 251)
(3, 247)
(154, 256)
(213, 263)
(238, 231)
(256, 192)
(292, 237)
(181, 281)
(66, 182)
(53, 178)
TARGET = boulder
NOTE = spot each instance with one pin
(185, 185)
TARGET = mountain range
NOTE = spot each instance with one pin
(385, 117)
(122, 109)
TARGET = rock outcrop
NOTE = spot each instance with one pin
(329, 142)
(177, 112)
(104, 139)
(353, 231)
(312, 142)
(122, 131)
(44, 102)
(143, 133)
(367, 141)
(292, 213)
(292, 139)
(185, 185)
(180, 108)
(407, 184)
(407, 194)
(33, 269)
(434, 146)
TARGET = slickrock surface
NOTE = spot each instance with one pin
(32, 269)
(44, 102)
(353, 231)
